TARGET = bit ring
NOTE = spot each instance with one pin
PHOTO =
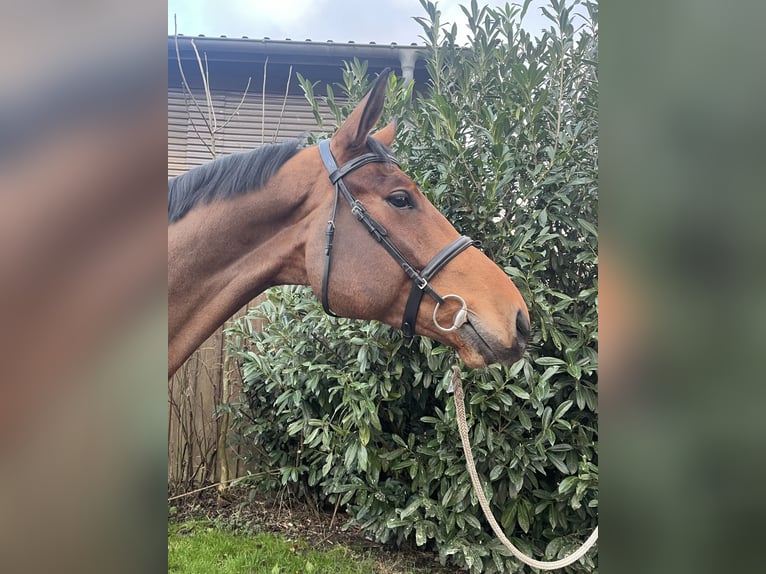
(461, 317)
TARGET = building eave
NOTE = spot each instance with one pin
(320, 60)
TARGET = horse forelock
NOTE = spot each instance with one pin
(380, 149)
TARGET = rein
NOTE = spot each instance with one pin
(456, 385)
(420, 278)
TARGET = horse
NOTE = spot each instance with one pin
(342, 217)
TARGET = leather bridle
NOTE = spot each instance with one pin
(420, 279)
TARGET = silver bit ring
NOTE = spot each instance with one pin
(461, 317)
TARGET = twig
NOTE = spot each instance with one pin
(335, 511)
(181, 70)
(196, 131)
(263, 100)
(284, 103)
(239, 105)
(209, 486)
(187, 88)
(206, 88)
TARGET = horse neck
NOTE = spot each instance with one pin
(221, 255)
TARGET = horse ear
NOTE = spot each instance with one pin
(387, 134)
(354, 131)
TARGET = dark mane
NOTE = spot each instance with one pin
(227, 177)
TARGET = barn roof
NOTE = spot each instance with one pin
(232, 59)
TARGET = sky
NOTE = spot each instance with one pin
(360, 21)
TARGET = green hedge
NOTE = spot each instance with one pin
(504, 142)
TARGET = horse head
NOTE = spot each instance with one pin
(379, 248)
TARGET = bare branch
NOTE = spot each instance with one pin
(183, 76)
(208, 97)
(284, 102)
(239, 105)
(263, 100)
(196, 131)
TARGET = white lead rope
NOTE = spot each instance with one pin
(463, 428)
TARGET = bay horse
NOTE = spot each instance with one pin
(285, 215)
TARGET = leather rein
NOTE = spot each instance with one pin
(420, 278)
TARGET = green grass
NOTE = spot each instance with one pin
(198, 547)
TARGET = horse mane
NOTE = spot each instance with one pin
(227, 177)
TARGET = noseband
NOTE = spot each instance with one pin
(420, 278)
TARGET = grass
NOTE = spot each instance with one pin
(199, 547)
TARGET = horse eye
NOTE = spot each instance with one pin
(400, 200)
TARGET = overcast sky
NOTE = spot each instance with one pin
(360, 21)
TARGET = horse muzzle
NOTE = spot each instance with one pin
(479, 347)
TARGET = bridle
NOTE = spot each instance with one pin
(420, 278)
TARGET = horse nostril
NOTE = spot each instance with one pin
(522, 328)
